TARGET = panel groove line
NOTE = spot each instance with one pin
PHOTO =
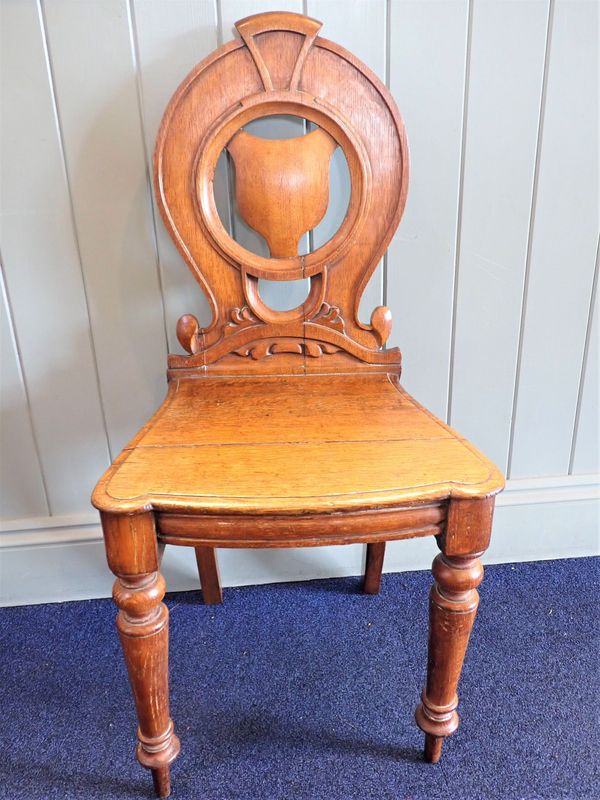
(585, 361)
(107, 175)
(459, 213)
(147, 158)
(428, 61)
(170, 38)
(14, 343)
(42, 269)
(563, 248)
(219, 22)
(388, 40)
(91, 264)
(534, 193)
(61, 144)
(508, 45)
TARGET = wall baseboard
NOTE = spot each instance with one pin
(57, 559)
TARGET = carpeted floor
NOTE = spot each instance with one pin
(306, 691)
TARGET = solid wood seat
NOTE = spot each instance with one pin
(287, 428)
(292, 445)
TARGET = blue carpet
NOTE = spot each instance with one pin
(306, 691)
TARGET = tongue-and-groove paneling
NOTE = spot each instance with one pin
(45, 285)
(501, 122)
(490, 277)
(564, 242)
(427, 69)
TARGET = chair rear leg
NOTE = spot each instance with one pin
(208, 570)
(374, 567)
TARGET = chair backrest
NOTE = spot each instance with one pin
(280, 66)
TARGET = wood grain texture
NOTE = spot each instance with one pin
(302, 530)
(287, 428)
(505, 91)
(565, 233)
(373, 567)
(452, 607)
(279, 127)
(341, 267)
(142, 623)
(368, 444)
(208, 571)
(282, 186)
(426, 71)
(234, 10)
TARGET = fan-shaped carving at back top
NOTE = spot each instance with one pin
(281, 66)
(282, 185)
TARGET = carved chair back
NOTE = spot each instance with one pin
(280, 66)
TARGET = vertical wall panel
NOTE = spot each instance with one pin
(586, 452)
(43, 273)
(427, 70)
(92, 59)
(359, 26)
(504, 96)
(172, 36)
(563, 247)
(21, 486)
(88, 243)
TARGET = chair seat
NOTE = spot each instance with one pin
(291, 445)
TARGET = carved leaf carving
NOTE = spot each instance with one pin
(242, 317)
(269, 347)
(331, 317)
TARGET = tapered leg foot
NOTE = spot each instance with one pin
(433, 748)
(161, 778)
(208, 570)
(374, 567)
(452, 609)
(142, 623)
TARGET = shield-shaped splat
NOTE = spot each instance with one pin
(282, 185)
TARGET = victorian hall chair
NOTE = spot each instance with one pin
(287, 428)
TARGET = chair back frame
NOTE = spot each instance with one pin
(281, 66)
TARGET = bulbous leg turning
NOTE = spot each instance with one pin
(142, 623)
(452, 608)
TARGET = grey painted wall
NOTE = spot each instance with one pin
(491, 277)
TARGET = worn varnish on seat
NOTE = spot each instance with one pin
(287, 428)
(313, 444)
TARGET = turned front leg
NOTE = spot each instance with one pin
(452, 609)
(142, 623)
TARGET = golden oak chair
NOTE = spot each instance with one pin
(287, 428)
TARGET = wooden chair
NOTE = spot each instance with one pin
(287, 428)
